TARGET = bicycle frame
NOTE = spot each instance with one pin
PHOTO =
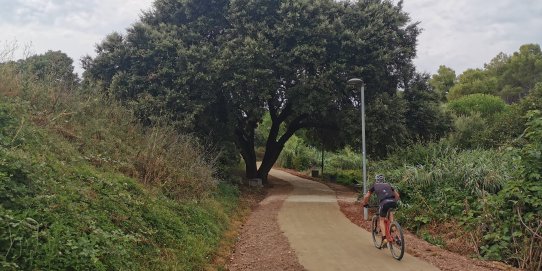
(387, 226)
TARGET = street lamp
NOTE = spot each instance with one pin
(363, 161)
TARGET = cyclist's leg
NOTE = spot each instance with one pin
(385, 207)
(382, 226)
(381, 220)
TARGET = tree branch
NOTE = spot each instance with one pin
(272, 110)
(292, 128)
(285, 113)
(535, 234)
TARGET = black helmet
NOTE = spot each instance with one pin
(379, 178)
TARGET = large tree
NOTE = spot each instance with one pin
(217, 66)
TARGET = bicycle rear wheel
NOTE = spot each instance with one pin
(397, 246)
(375, 231)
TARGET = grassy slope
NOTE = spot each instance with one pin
(61, 209)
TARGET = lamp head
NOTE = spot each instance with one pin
(355, 81)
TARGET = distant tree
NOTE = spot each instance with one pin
(511, 77)
(442, 81)
(217, 66)
(521, 73)
(473, 81)
(53, 66)
(425, 118)
(112, 59)
(497, 66)
(386, 125)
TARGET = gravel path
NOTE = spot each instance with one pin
(262, 245)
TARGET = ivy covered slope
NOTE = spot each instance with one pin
(84, 187)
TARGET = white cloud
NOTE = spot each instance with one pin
(465, 34)
(460, 33)
(73, 27)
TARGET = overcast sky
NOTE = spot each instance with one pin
(460, 34)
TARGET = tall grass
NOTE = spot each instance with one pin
(84, 186)
(478, 171)
(108, 135)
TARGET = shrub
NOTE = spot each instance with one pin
(438, 181)
(483, 104)
(344, 159)
(298, 155)
(469, 131)
(515, 232)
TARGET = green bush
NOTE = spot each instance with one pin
(483, 104)
(347, 177)
(514, 220)
(439, 181)
(344, 159)
(469, 131)
(298, 155)
(85, 187)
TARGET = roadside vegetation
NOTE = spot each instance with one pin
(477, 190)
(85, 186)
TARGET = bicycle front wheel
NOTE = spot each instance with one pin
(375, 231)
(397, 246)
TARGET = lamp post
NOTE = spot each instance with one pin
(363, 160)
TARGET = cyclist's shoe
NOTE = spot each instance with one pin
(384, 243)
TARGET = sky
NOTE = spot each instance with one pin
(460, 34)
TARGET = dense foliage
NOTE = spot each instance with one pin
(511, 77)
(443, 81)
(515, 232)
(83, 186)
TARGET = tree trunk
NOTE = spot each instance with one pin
(274, 147)
(249, 156)
(272, 153)
(245, 142)
(250, 166)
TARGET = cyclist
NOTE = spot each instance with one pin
(387, 198)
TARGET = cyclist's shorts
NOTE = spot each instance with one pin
(385, 205)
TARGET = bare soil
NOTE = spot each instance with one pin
(249, 201)
(261, 244)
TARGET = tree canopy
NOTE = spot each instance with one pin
(215, 67)
(53, 67)
(443, 81)
(511, 77)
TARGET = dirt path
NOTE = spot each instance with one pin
(324, 239)
(262, 245)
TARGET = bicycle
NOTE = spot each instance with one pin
(394, 235)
